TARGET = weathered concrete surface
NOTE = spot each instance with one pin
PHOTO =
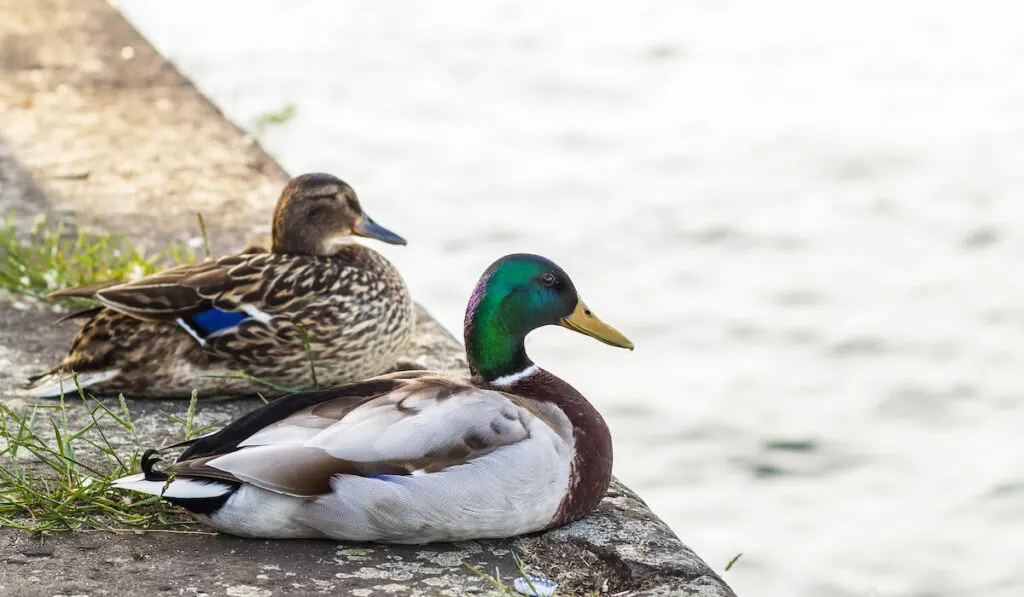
(585, 558)
(113, 130)
(97, 129)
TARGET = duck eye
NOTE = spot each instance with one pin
(548, 280)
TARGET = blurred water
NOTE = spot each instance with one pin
(807, 215)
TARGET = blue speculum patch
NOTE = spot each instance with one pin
(215, 320)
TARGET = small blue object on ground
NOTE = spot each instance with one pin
(537, 586)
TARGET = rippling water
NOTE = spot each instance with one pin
(807, 215)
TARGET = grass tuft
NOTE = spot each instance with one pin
(188, 424)
(273, 118)
(54, 477)
(495, 581)
(499, 587)
(48, 258)
(733, 561)
(206, 239)
(241, 375)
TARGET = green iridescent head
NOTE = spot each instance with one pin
(516, 295)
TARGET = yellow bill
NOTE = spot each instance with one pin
(582, 320)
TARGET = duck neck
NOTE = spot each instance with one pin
(301, 244)
(291, 235)
(496, 357)
(494, 344)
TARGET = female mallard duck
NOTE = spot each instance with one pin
(416, 456)
(196, 326)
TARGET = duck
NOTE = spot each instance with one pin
(415, 456)
(316, 308)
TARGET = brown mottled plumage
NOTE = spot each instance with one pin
(179, 329)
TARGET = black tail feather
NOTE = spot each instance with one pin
(181, 444)
(206, 506)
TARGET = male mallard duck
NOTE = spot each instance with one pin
(167, 334)
(416, 456)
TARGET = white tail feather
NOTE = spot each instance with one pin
(55, 384)
(179, 488)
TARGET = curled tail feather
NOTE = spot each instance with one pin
(202, 496)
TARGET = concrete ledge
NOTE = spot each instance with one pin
(99, 129)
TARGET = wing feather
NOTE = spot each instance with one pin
(424, 423)
(278, 413)
(170, 294)
(85, 291)
(270, 281)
